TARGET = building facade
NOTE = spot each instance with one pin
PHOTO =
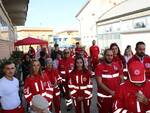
(125, 24)
(88, 16)
(9, 18)
(67, 38)
(43, 33)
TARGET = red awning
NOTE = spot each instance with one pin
(31, 41)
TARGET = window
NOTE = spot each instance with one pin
(139, 23)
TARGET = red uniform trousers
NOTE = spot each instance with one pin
(94, 61)
(65, 67)
(78, 105)
(65, 90)
(19, 109)
(56, 100)
(104, 105)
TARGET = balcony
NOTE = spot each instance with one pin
(17, 10)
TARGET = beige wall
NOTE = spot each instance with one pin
(7, 34)
(44, 33)
(71, 35)
(37, 32)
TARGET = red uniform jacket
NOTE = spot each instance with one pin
(78, 50)
(38, 84)
(72, 53)
(145, 60)
(94, 51)
(65, 67)
(121, 61)
(80, 84)
(54, 78)
(111, 77)
(126, 98)
(85, 54)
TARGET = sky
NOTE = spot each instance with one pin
(57, 14)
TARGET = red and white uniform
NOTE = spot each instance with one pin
(111, 77)
(85, 57)
(120, 60)
(126, 98)
(145, 60)
(80, 85)
(72, 54)
(78, 50)
(54, 78)
(94, 52)
(38, 84)
(65, 67)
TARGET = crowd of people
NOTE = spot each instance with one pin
(123, 81)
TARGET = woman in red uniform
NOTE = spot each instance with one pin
(55, 80)
(80, 86)
(37, 83)
(117, 57)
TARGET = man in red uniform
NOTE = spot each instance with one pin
(108, 75)
(65, 66)
(141, 57)
(133, 96)
(94, 52)
(55, 80)
(78, 49)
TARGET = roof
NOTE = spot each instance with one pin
(125, 8)
(82, 8)
(17, 10)
(19, 29)
(30, 41)
(67, 31)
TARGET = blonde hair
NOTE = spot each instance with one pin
(32, 71)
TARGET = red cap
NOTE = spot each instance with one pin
(136, 72)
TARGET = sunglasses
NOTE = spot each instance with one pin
(10, 68)
(66, 52)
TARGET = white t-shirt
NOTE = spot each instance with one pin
(9, 93)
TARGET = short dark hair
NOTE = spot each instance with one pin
(42, 54)
(6, 63)
(128, 46)
(77, 43)
(56, 45)
(105, 51)
(139, 43)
